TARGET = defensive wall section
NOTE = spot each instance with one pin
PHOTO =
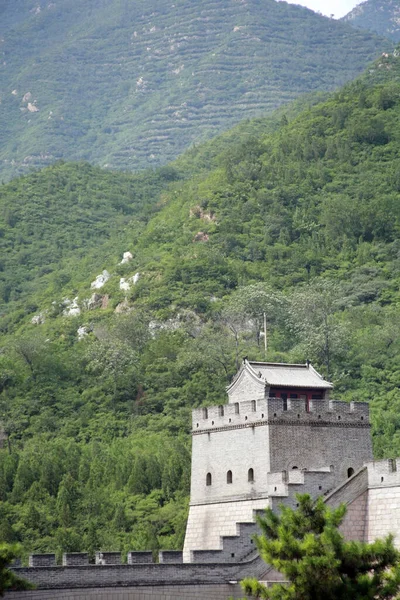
(372, 496)
(257, 453)
(186, 580)
(165, 592)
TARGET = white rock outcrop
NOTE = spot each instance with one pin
(32, 107)
(135, 278)
(38, 319)
(100, 280)
(126, 257)
(123, 307)
(71, 308)
(82, 332)
(124, 285)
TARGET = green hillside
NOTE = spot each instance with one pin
(300, 220)
(66, 215)
(131, 84)
(380, 16)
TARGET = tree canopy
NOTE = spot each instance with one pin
(306, 546)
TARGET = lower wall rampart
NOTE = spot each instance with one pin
(183, 592)
(122, 576)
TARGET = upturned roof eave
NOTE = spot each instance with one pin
(245, 366)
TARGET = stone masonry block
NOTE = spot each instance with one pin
(42, 560)
(74, 559)
(139, 557)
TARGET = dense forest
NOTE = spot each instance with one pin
(128, 84)
(296, 215)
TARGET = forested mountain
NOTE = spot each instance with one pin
(380, 16)
(297, 216)
(131, 84)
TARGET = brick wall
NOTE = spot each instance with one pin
(383, 513)
(188, 592)
(319, 444)
(122, 576)
(354, 524)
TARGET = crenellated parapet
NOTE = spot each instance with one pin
(270, 411)
(283, 486)
(103, 558)
(384, 473)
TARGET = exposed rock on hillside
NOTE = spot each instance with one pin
(100, 280)
(380, 16)
(72, 308)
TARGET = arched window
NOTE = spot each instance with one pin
(205, 413)
(221, 410)
(250, 475)
(208, 479)
(229, 477)
(253, 405)
(236, 408)
(350, 471)
(294, 468)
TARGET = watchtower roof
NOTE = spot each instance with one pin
(283, 375)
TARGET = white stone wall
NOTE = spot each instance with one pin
(235, 450)
(246, 388)
(208, 522)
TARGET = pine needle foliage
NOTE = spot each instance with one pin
(8, 579)
(306, 546)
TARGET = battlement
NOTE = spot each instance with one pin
(384, 473)
(283, 486)
(171, 572)
(279, 411)
(80, 559)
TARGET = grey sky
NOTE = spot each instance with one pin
(339, 8)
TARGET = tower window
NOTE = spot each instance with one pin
(229, 477)
(236, 408)
(205, 413)
(221, 411)
(350, 471)
(250, 475)
(208, 479)
(253, 405)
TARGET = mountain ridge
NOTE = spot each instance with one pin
(380, 16)
(132, 85)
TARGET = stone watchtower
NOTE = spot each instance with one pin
(280, 433)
